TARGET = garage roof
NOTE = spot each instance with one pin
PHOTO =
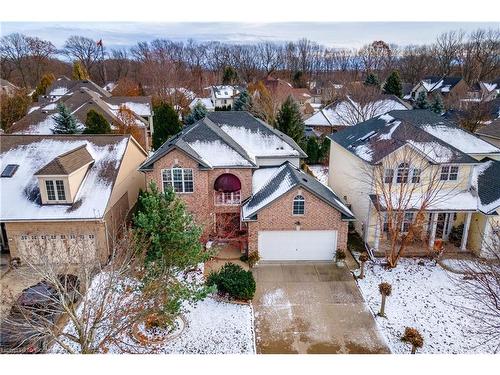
(286, 178)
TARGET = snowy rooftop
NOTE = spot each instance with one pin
(20, 198)
(438, 139)
(283, 180)
(348, 112)
(207, 102)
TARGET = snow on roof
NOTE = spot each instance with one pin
(142, 109)
(218, 154)
(20, 194)
(433, 150)
(258, 144)
(207, 102)
(490, 86)
(364, 152)
(224, 91)
(59, 91)
(388, 135)
(346, 112)
(50, 107)
(261, 176)
(461, 139)
(443, 200)
(285, 185)
(34, 108)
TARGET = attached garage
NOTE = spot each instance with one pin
(317, 245)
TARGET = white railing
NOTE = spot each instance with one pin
(227, 199)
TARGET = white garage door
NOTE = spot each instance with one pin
(297, 245)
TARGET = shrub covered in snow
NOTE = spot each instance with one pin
(233, 280)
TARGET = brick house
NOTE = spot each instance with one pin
(64, 191)
(236, 173)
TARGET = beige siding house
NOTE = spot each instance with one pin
(61, 192)
(417, 159)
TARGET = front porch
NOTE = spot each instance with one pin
(442, 232)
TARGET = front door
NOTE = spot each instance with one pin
(443, 226)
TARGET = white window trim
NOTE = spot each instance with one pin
(394, 178)
(172, 178)
(304, 205)
(56, 194)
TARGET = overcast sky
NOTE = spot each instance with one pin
(334, 34)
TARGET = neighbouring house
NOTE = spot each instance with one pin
(490, 132)
(240, 177)
(484, 91)
(7, 88)
(452, 89)
(207, 103)
(80, 97)
(62, 191)
(223, 96)
(282, 89)
(459, 161)
(346, 112)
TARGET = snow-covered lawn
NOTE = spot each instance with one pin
(423, 297)
(215, 328)
(212, 327)
(320, 172)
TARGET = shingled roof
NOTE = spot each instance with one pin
(287, 177)
(228, 139)
(440, 139)
(20, 198)
(488, 186)
(67, 163)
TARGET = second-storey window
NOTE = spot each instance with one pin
(298, 205)
(415, 175)
(388, 175)
(403, 171)
(54, 187)
(449, 173)
(179, 179)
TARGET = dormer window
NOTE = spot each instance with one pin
(55, 191)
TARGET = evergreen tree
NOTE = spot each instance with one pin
(324, 149)
(422, 102)
(65, 121)
(197, 113)
(95, 123)
(312, 150)
(289, 120)
(79, 71)
(393, 85)
(45, 82)
(174, 245)
(299, 79)
(243, 102)
(372, 80)
(437, 104)
(166, 124)
(229, 76)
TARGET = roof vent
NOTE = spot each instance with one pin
(9, 170)
(304, 179)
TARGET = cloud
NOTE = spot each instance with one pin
(332, 34)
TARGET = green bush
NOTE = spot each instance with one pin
(233, 280)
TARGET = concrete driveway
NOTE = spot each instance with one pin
(312, 308)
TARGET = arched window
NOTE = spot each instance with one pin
(403, 172)
(298, 205)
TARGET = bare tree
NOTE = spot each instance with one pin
(478, 281)
(96, 303)
(406, 185)
(448, 48)
(83, 49)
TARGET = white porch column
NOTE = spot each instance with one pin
(377, 236)
(432, 236)
(465, 234)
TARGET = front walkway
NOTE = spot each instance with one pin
(312, 308)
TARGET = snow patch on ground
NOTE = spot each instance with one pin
(423, 297)
(320, 172)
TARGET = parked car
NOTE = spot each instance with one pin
(36, 307)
